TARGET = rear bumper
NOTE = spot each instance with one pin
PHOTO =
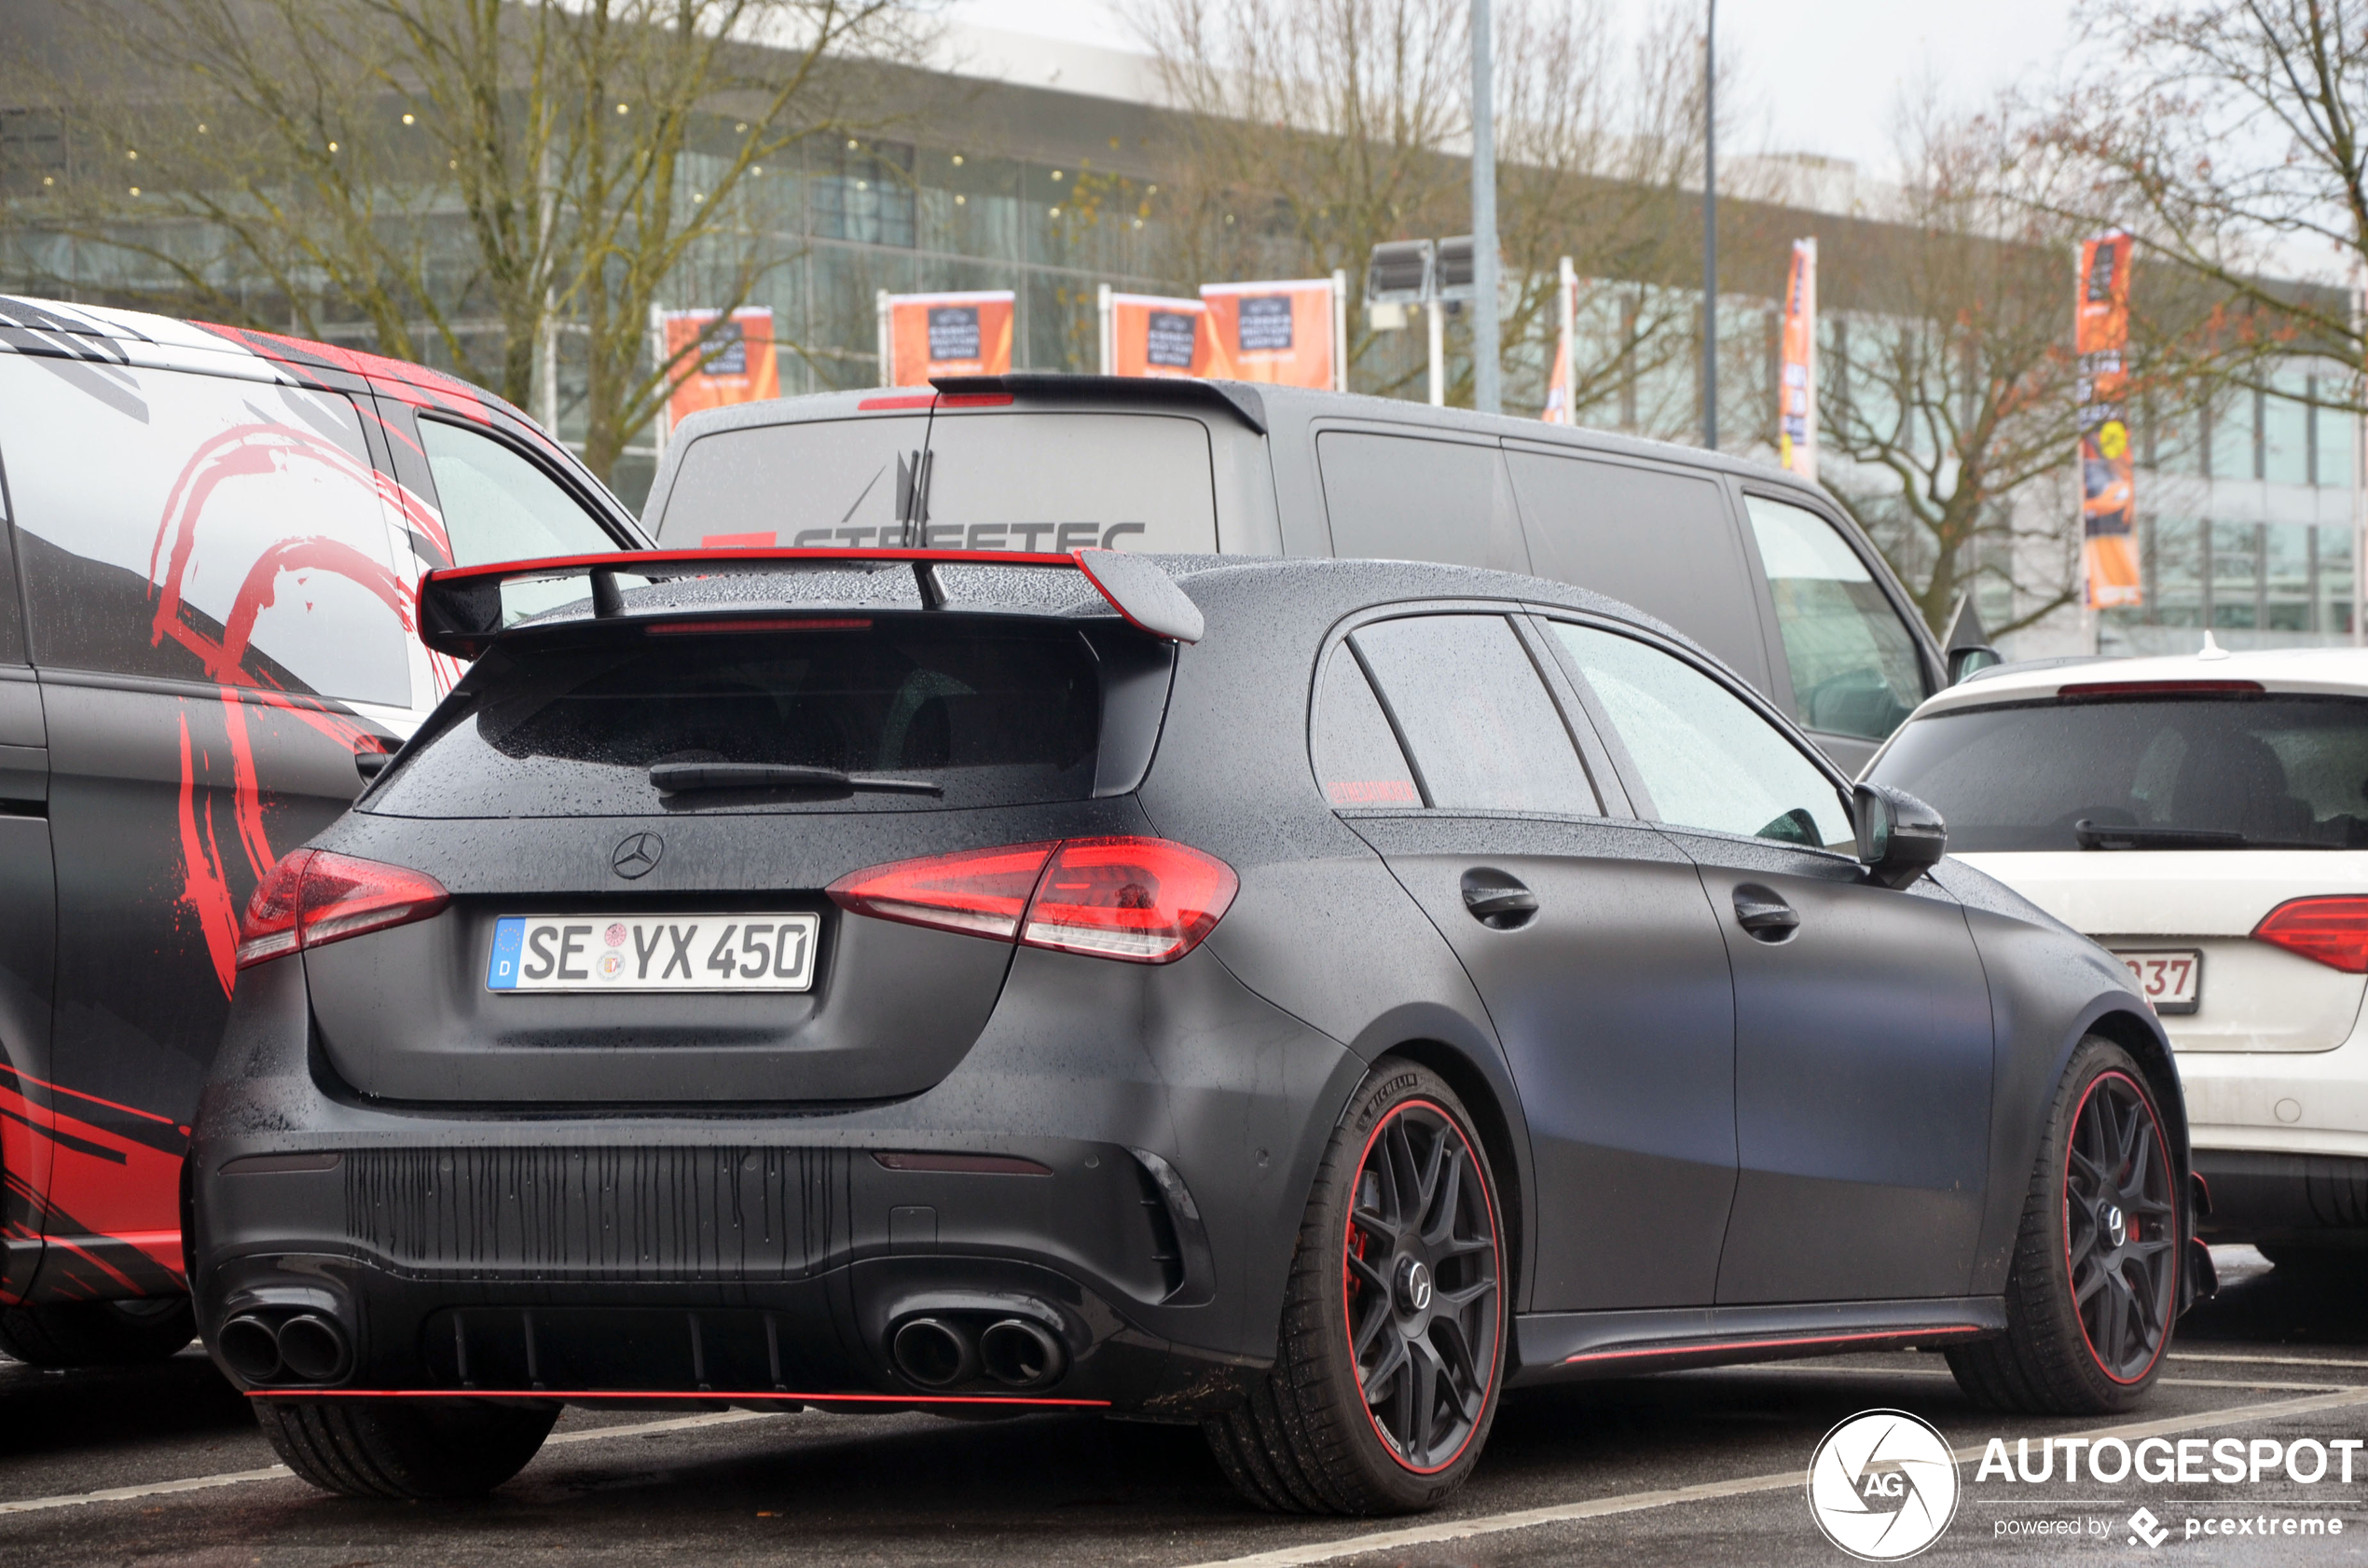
(2279, 1102)
(2300, 1198)
(1140, 1194)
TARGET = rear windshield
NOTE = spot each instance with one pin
(997, 481)
(989, 715)
(2235, 772)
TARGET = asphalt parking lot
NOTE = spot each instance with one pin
(165, 1466)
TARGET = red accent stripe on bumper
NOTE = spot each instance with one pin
(711, 1396)
(1773, 1344)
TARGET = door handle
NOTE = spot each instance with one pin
(1497, 898)
(1764, 914)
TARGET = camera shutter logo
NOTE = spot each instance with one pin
(1883, 1485)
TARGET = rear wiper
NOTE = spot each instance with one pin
(2091, 835)
(674, 778)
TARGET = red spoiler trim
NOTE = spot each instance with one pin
(460, 608)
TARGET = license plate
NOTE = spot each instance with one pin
(2173, 980)
(741, 952)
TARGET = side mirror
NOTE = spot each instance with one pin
(1899, 837)
(1963, 662)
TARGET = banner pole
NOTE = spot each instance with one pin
(1102, 309)
(1435, 318)
(887, 346)
(663, 425)
(1809, 310)
(2360, 459)
(1567, 324)
(1340, 329)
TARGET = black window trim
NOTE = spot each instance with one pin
(1596, 764)
(1718, 674)
(591, 506)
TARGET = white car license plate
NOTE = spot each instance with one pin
(741, 952)
(2173, 979)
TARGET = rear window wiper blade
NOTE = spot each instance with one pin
(2091, 834)
(674, 778)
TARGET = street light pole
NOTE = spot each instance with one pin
(1710, 226)
(1487, 395)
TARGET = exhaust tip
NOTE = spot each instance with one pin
(933, 1353)
(313, 1348)
(1019, 1354)
(247, 1345)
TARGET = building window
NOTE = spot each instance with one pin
(863, 191)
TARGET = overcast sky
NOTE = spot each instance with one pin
(1825, 74)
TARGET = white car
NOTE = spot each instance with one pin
(2205, 817)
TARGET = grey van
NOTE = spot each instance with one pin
(1756, 566)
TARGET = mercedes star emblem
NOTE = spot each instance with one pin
(636, 855)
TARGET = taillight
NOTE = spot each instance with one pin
(1140, 898)
(1144, 900)
(314, 897)
(983, 892)
(2332, 930)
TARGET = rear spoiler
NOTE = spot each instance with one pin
(460, 606)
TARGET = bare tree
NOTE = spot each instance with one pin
(466, 176)
(2227, 136)
(1953, 391)
(1317, 128)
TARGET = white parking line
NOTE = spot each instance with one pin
(2268, 1360)
(1635, 1502)
(281, 1472)
(2162, 1383)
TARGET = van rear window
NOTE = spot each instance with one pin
(1014, 480)
(897, 715)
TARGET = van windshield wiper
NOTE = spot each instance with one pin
(674, 778)
(2091, 834)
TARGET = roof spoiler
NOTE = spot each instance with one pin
(1236, 398)
(460, 606)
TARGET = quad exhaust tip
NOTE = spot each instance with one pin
(935, 1351)
(306, 1348)
(1019, 1354)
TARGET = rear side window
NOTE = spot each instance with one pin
(201, 528)
(997, 481)
(990, 715)
(2268, 770)
(499, 507)
(1853, 661)
(1357, 758)
(1397, 498)
(1662, 542)
(1705, 756)
(1484, 732)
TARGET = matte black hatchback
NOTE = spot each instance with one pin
(1301, 999)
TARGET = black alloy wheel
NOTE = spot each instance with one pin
(2121, 1229)
(1418, 1283)
(1387, 1372)
(2092, 1293)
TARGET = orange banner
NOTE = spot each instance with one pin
(1558, 409)
(1280, 333)
(947, 334)
(736, 365)
(2108, 494)
(1796, 424)
(1154, 337)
